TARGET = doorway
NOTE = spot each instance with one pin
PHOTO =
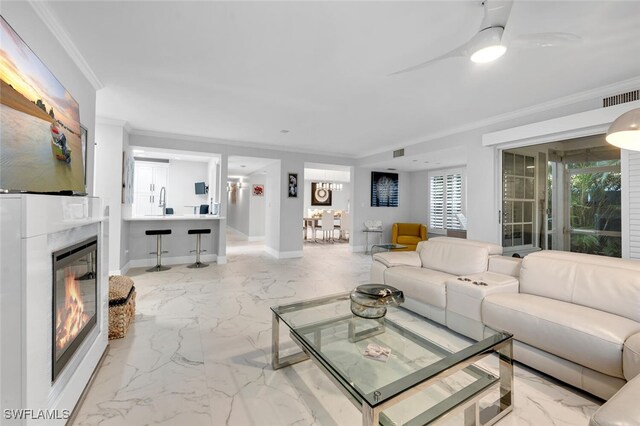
(326, 215)
(563, 195)
(246, 189)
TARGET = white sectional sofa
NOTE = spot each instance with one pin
(573, 316)
(423, 274)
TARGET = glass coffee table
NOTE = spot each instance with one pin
(377, 248)
(431, 375)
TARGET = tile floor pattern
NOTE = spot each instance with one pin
(199, 351)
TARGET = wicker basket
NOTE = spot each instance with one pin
(122, 305)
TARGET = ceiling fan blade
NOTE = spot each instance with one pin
(460, 51)
(545, 40)
(496, 13)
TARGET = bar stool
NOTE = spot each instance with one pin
(198, 250)
(158, 233)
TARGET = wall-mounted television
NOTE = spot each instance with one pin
(201, 188)
(40, 137)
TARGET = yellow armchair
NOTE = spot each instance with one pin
(408, 234)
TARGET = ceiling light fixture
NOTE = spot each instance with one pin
(624, 132)
(487, 45)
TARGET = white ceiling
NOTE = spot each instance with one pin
(245, 166)
(244, 71)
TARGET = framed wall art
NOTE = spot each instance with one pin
(293, 185)
(320, 196)
(384, 189)
(257, 190)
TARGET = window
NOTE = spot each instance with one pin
(518, 199)
(446, 199)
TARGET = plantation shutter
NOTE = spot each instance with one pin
(446, 199)
(454, 200)
(436, 206)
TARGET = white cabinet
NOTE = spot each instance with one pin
(149, 179)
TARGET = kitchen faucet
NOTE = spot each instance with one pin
(163, 200)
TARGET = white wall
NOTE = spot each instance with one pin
(238, 211)
(362, 209)
(181, 180)
(273, 205)
(109, 148)
(419, 196)
(24, 20)
(257, 208)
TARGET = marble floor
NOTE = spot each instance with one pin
(199, 351)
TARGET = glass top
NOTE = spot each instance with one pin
(420, 348)
(389, 246)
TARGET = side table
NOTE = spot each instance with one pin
(374, 231)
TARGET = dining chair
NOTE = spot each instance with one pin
(327, 224)
(345, 228)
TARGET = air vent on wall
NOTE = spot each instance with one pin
(622, 98)
(398, 153)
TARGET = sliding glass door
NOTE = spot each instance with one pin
(594, 208)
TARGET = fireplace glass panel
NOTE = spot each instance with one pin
(74, 299)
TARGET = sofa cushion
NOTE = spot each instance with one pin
(494, 249)
(586, 336)
(424, 285)
(631, 357)
(398, 258)
(457, 259)
(608, 284)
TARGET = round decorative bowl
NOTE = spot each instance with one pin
(371, 300)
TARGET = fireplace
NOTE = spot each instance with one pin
(74, 300)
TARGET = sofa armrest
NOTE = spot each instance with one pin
(631, 357)
(622, 409)
(505, 265)
(398, 258)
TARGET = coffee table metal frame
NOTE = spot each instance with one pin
(372, 406)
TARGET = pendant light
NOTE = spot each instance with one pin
(624, 132)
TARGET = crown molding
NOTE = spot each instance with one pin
(47, 15)
(113, 122)
(603, 91)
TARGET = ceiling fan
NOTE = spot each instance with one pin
(489, 43)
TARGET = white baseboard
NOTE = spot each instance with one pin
(121, 271)
(221, 260)
(257, 238)
(290, 254)
(177, 260)
(283, 254)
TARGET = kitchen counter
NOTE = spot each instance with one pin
(179, 243)
(172, 217)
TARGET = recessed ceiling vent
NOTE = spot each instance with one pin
(622, 98)
(398, 153)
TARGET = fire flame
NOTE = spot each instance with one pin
(71, 319)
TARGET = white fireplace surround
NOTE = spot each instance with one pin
(32, 227)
